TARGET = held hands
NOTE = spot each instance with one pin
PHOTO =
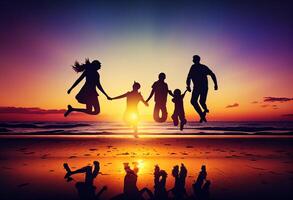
(109, 98)
(216, 87)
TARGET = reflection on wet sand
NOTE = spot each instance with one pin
(240, 168)
(86, 189)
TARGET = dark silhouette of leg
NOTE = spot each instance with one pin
(164, 113)
(183, 121)
(202, 100)
(87, 110)
(160, 107)
(193, 101)
(175, 119)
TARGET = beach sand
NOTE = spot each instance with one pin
(239, 167)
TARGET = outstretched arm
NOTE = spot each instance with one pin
(101, 89)
(151, 95)
(145, 102)
(184, 93)
(170, 93)
(121, 96)
(188, 80)
(76, 82)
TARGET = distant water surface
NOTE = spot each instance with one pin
(147, 128)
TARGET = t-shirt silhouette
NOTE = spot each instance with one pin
(198, 74)
(161, 91)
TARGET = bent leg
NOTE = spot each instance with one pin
(156, 113)
(203, 99)
(157, 109)
(164, 113)
(193, 101)
(175, 119)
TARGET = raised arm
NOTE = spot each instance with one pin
(76, 82)
(188, 80)
(121, 96)
(151, 95)
(101, 88)
(184, 93)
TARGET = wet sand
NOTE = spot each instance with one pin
(238, 167)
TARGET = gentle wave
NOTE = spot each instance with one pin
(149, 128)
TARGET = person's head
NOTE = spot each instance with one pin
(177, 92)
(94, 65)
(196, 59)
(162, 76)
(203, 168)
(135, 86)
(175, 171)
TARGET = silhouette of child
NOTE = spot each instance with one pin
(160, 90)
(179, 108)
(133, 98)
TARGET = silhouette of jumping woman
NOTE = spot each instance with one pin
(86, 189)
(88, 94)
(160, 90)
(133, 97)
(179, 108)
(198, 74)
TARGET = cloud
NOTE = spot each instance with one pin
(233, 105)
(277, 99)
(33, 110)
(254, 102)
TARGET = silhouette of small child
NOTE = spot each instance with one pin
(179, 108)
(133, 97)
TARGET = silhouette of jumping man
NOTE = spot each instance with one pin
(160, 177)
(160, 90)
(86, 189)
(198, 74)
(179, 190)
(133, 97)
(88, 94)
(178, 108)
(130, 189)
(202, 185)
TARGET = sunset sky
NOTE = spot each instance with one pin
(248, 45)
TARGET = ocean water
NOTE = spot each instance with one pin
(146, 128)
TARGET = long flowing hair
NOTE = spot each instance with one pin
(79, 67)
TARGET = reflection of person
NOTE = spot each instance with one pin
(133, 97)
(130, 189)
(160, 177)
(86, 189)
(198, 74)
(202, 186)
(160, 90)
(88, 94)
(179, 108)
(179, 190)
